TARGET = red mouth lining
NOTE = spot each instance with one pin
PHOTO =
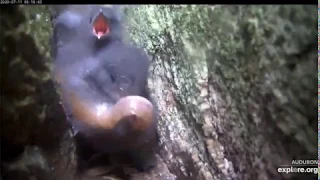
(101, 25)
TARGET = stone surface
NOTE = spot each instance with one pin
(235, 87)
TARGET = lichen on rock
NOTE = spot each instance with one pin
(240, 73)
(235, 88)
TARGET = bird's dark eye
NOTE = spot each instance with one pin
(113, 78)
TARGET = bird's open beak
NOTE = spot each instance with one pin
(100, 25)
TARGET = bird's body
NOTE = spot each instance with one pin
(103, 82)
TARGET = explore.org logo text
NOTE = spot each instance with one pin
(300, 166)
